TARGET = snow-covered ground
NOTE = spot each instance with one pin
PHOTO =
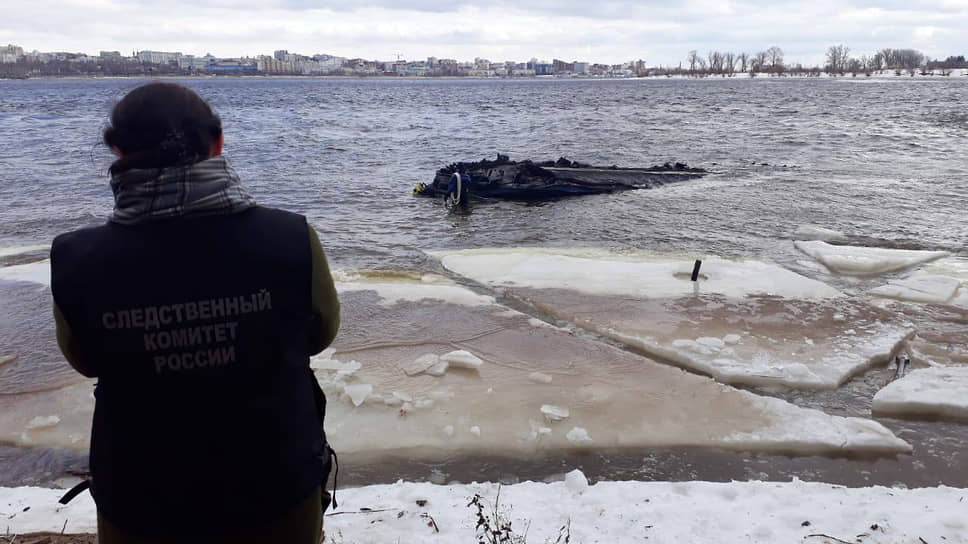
(932, 392)
(606, 512)
(743, 322)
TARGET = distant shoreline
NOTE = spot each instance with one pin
(713, 77)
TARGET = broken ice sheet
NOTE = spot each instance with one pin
(921, 288)
(744, 322)
(620, 399)
(865, 261)
(936, 392)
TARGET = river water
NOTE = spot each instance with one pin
(881, 160)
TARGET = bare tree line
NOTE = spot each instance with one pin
(838, 62)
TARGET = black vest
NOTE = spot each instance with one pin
(198, 329)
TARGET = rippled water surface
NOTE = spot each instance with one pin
(885, 161)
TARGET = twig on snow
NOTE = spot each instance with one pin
(821, 535)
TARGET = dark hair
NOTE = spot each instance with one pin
(159, 125)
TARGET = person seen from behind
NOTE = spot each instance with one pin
(197, 311)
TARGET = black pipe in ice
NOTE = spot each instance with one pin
(695, 270)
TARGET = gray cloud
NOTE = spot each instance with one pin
(606, 31)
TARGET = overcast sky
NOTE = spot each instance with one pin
(597, 31)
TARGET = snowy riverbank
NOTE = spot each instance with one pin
(604, 512)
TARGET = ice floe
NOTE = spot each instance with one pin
(20, 250)
(600, 272)
(604, 512)
(922, 288)
(614, 398)
(813, 232)
(38, 272)
(865, 261)
(60, 418)
(744, 322)
(936, 392)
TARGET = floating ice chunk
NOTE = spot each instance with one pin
(462, 359)
(421, 364)
(448, 430)
(318, 363)
(392, 401)
(43, 422)
(476, 431)
(578, 435)
(865, 261)
(424, 404)
(540, 377)
(576, 482)
(403, 396)
(803, 326)
(537, 430)
(799, 428)
(922, 288)
(358, 392)
(438, 369)
(812, 232)
(38, 272)
(554, 413)
(438, 394)
(930, 392)
(715, 344)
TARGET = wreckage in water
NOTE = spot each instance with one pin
(527, 180)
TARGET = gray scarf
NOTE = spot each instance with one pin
(209, 187)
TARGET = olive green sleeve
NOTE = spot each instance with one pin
(68, 345)
(325, 302)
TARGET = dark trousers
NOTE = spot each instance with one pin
(301, 525)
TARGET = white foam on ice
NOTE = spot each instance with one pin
(38, 272)
(696, 512)
(865, 261)
(930, 392)
(601, 272)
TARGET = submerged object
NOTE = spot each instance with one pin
(527, 180)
